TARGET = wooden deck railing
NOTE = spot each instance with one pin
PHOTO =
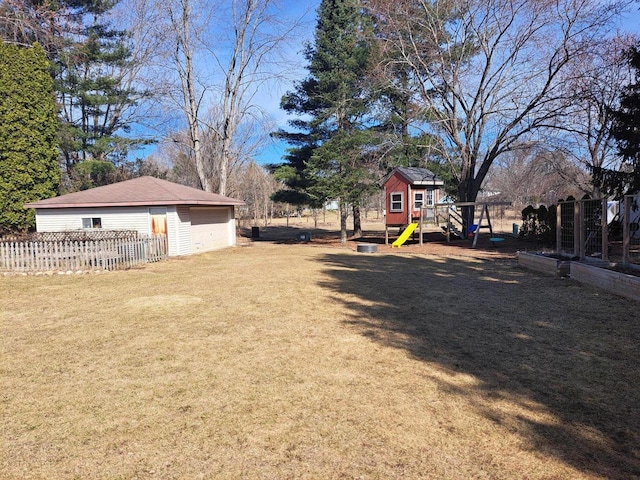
(80, 255)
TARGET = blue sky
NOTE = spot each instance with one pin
(274, 152)
(269, 98)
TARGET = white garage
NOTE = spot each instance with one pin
(209, 228)
(193, 220)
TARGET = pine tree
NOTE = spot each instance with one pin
(29, 168)
(95, 92)
(626, 131)
(94, 72)
(329, 154)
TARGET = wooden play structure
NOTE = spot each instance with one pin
(449, 219)
(411, 195)
(413, 201)
(452, 222)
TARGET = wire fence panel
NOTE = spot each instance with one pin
(631, 229)
(585, 229)
(591, 228)
(567, 230)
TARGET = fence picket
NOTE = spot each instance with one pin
(85, 254)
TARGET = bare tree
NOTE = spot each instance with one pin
(249, 138)
(223, 54)
(256, 188)
(184, 37)
(528, 174)
(24, 22)
(488, 73)
(594, 86)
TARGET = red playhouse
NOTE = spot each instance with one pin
(411, 194)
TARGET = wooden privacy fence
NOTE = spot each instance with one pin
(78, 255)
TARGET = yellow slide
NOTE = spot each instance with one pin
(403, 238)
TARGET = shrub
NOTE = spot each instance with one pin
(539, 224)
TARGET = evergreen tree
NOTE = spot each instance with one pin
(29, 168)
(626, 131)
(330, 149)
(94, 72)
(96, 93)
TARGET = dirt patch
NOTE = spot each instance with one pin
(434, 241)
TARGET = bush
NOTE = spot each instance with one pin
(539, 224)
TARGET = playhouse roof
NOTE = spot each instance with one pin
(416, 176)
(137, 192)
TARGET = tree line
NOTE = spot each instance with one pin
(481, 92)
(458, 86)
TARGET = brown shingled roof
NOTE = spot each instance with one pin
(137, 192)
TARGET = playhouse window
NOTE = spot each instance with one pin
(429, 198)
(418, 200)
(93, 222)
(396, 202)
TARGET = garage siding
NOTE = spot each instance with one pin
(183, 231)
(115, 218)
(209, 229)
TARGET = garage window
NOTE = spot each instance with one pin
(92, 222)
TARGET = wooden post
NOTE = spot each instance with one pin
(626, 231)
(605, 236)
(559, 228)
(421, 218)
(475, 234)
(577, 228)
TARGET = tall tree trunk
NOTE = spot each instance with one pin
(468, 192)
(344, 214)
(183, 58)
(357, 221)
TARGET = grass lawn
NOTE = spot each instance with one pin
(315, 362)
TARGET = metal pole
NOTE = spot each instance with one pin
(576, 228)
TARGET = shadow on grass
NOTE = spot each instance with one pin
(567, 358)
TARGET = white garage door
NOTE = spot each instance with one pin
(209, 229)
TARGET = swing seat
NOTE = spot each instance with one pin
(495, 241)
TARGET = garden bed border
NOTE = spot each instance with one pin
(596, 275)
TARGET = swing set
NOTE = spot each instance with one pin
(454, 222)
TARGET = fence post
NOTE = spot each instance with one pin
(626, 231)
(605, 230)
(576, 228)
(558, 228)
(579, 230)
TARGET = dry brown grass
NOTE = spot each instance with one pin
(303, 361)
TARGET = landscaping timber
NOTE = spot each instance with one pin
(610, 280)
(544, 264)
